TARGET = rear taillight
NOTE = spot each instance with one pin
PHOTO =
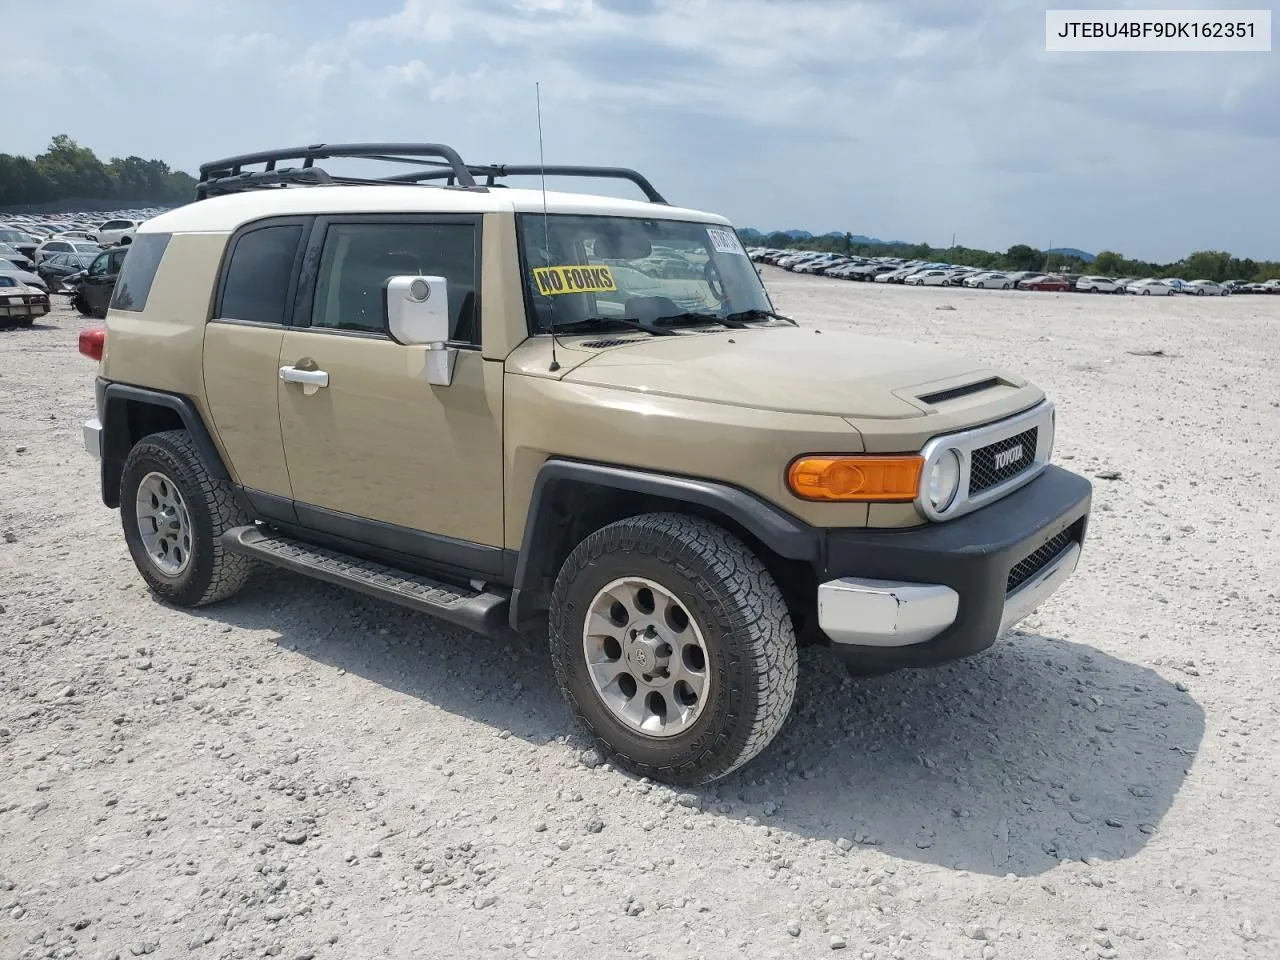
(92, 342)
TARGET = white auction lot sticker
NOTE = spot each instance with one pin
(1097, 31)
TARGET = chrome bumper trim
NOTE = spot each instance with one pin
(884, 613)
(93, 438)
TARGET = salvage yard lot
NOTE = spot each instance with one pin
(304, 772)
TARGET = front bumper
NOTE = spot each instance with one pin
(925, 595)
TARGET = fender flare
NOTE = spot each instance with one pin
(786, 535)
(114, 400)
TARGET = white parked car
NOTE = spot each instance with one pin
(818, 263)
(1149, 287)
(899, 275)
(1099, 285)
(989, 281)
(1201, 288)
(113, 231)
(51, 248)
(928, 278)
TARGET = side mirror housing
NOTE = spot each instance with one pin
(417, 314)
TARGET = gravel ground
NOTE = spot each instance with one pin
(301, 772)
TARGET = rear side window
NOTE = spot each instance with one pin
(138, 271)
(257, 284)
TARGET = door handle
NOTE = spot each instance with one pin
(311, 378)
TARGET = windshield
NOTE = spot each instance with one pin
(638, 270)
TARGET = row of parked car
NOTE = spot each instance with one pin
(921, 273)
(64, 254)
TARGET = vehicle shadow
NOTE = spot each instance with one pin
(12, 327)
(1037, 751)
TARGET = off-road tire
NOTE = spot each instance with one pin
(212, 574)
(745, 625)
(80, 306)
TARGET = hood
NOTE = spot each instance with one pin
(794, 370)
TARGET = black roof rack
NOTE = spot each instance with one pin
(442, 163)
(493, 171)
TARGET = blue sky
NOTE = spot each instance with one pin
(910, 119)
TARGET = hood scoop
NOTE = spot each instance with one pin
(955, 393)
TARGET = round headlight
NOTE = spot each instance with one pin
(944, 480)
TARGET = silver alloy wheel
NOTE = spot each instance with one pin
(646, 657)
(164, 524)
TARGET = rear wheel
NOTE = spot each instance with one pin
(78, 302)
(173, 511)
(673, 646)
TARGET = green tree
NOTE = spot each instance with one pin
(1108, 263)
(68, 171)
(1022, 257)
(1208, 265)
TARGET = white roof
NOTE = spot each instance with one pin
(225, 213)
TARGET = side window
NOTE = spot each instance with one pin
(99, 265)
(117, 260)
(359, 257)
(258, 276)
(133, 286)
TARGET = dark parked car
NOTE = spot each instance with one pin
(56, 269)
(93, 290)
(1057, 284)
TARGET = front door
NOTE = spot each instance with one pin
(375, 453)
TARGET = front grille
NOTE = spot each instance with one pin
(1034, 562)
(986, 472)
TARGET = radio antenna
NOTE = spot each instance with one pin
(546, 224)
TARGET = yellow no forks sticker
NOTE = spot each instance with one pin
(553, 281)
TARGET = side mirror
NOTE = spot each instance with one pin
(417, 314)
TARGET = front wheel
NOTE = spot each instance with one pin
(673, 646)
(78, 302)
(173, 511)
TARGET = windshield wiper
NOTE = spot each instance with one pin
(758, 314)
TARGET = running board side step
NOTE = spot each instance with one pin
(485, 613)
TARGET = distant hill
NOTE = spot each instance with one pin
(753, 233)
(1073, 252)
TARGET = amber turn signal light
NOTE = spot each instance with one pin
(856, 479)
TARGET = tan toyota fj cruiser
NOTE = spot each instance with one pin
(576, 417)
